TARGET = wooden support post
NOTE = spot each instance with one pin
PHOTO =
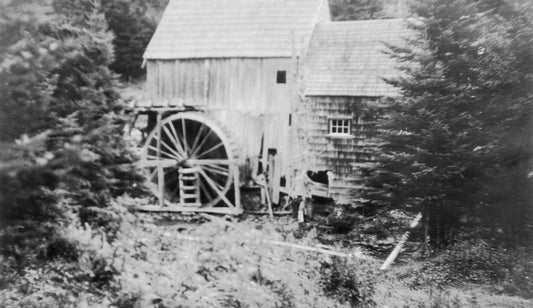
(301, 208)
(160, 171)
(236, 186)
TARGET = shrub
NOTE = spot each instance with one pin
(350, 282)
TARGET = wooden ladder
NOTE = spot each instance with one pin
(189, 183)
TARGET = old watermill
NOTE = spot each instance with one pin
(238, 91)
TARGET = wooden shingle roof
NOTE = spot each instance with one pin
(347, 58)
(235, 28)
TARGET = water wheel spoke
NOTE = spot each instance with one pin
(162, 152)
(218, 145)
(184, 130)
(215, 187)
(178, 150)
(206, 137)
(215, 178)
(197, 139)
(177, 138)
(206, 190)
(220, 171)
(177, 155)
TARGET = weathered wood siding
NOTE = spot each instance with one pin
(242, 94)
(247, 85)
(347, 154)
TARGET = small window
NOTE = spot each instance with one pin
(281, 77)
(340, 126)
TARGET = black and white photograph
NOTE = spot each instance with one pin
(266, 153)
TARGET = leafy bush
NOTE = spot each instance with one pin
(349, 282)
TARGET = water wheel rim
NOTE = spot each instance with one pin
(177, 151)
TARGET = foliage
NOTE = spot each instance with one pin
(80, 149)
(133, 28)
(349, 282)
(62, 157)
(26, 81)
(73, 269)
(458, 143)
(367, 9)
(356, 9)
(132, 23)
(26, 191)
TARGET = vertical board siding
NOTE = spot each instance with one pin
(242, 94)
(343, 156)
(244, 84)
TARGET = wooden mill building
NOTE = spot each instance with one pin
(283, 87)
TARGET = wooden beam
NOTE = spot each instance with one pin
(236, 187)
(268, 213)
(160, 173)
(188, 209)
(400, 244)
(321, 250)
(286, 244)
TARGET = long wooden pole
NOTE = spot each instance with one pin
(277, 243)
(400, 244)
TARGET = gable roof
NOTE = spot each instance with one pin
(234, 28)
(347, 58)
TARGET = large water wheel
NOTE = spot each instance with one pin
(189, 162)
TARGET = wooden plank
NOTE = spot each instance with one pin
(176, 208)
(323, 249)
(279, 213)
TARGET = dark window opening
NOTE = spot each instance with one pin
(322, 176)
(290, 119)
(281, 77)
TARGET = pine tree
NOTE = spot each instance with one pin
(458, 143)
(357, 9)
(57, 83)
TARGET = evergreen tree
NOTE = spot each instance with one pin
(356, 9)
(458, 143)
(132, 22)
(133, 30)
(56, 82)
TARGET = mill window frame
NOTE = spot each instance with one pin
(341, 127)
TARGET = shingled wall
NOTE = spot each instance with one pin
(345, 155)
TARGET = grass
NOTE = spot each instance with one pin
(169, 260)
